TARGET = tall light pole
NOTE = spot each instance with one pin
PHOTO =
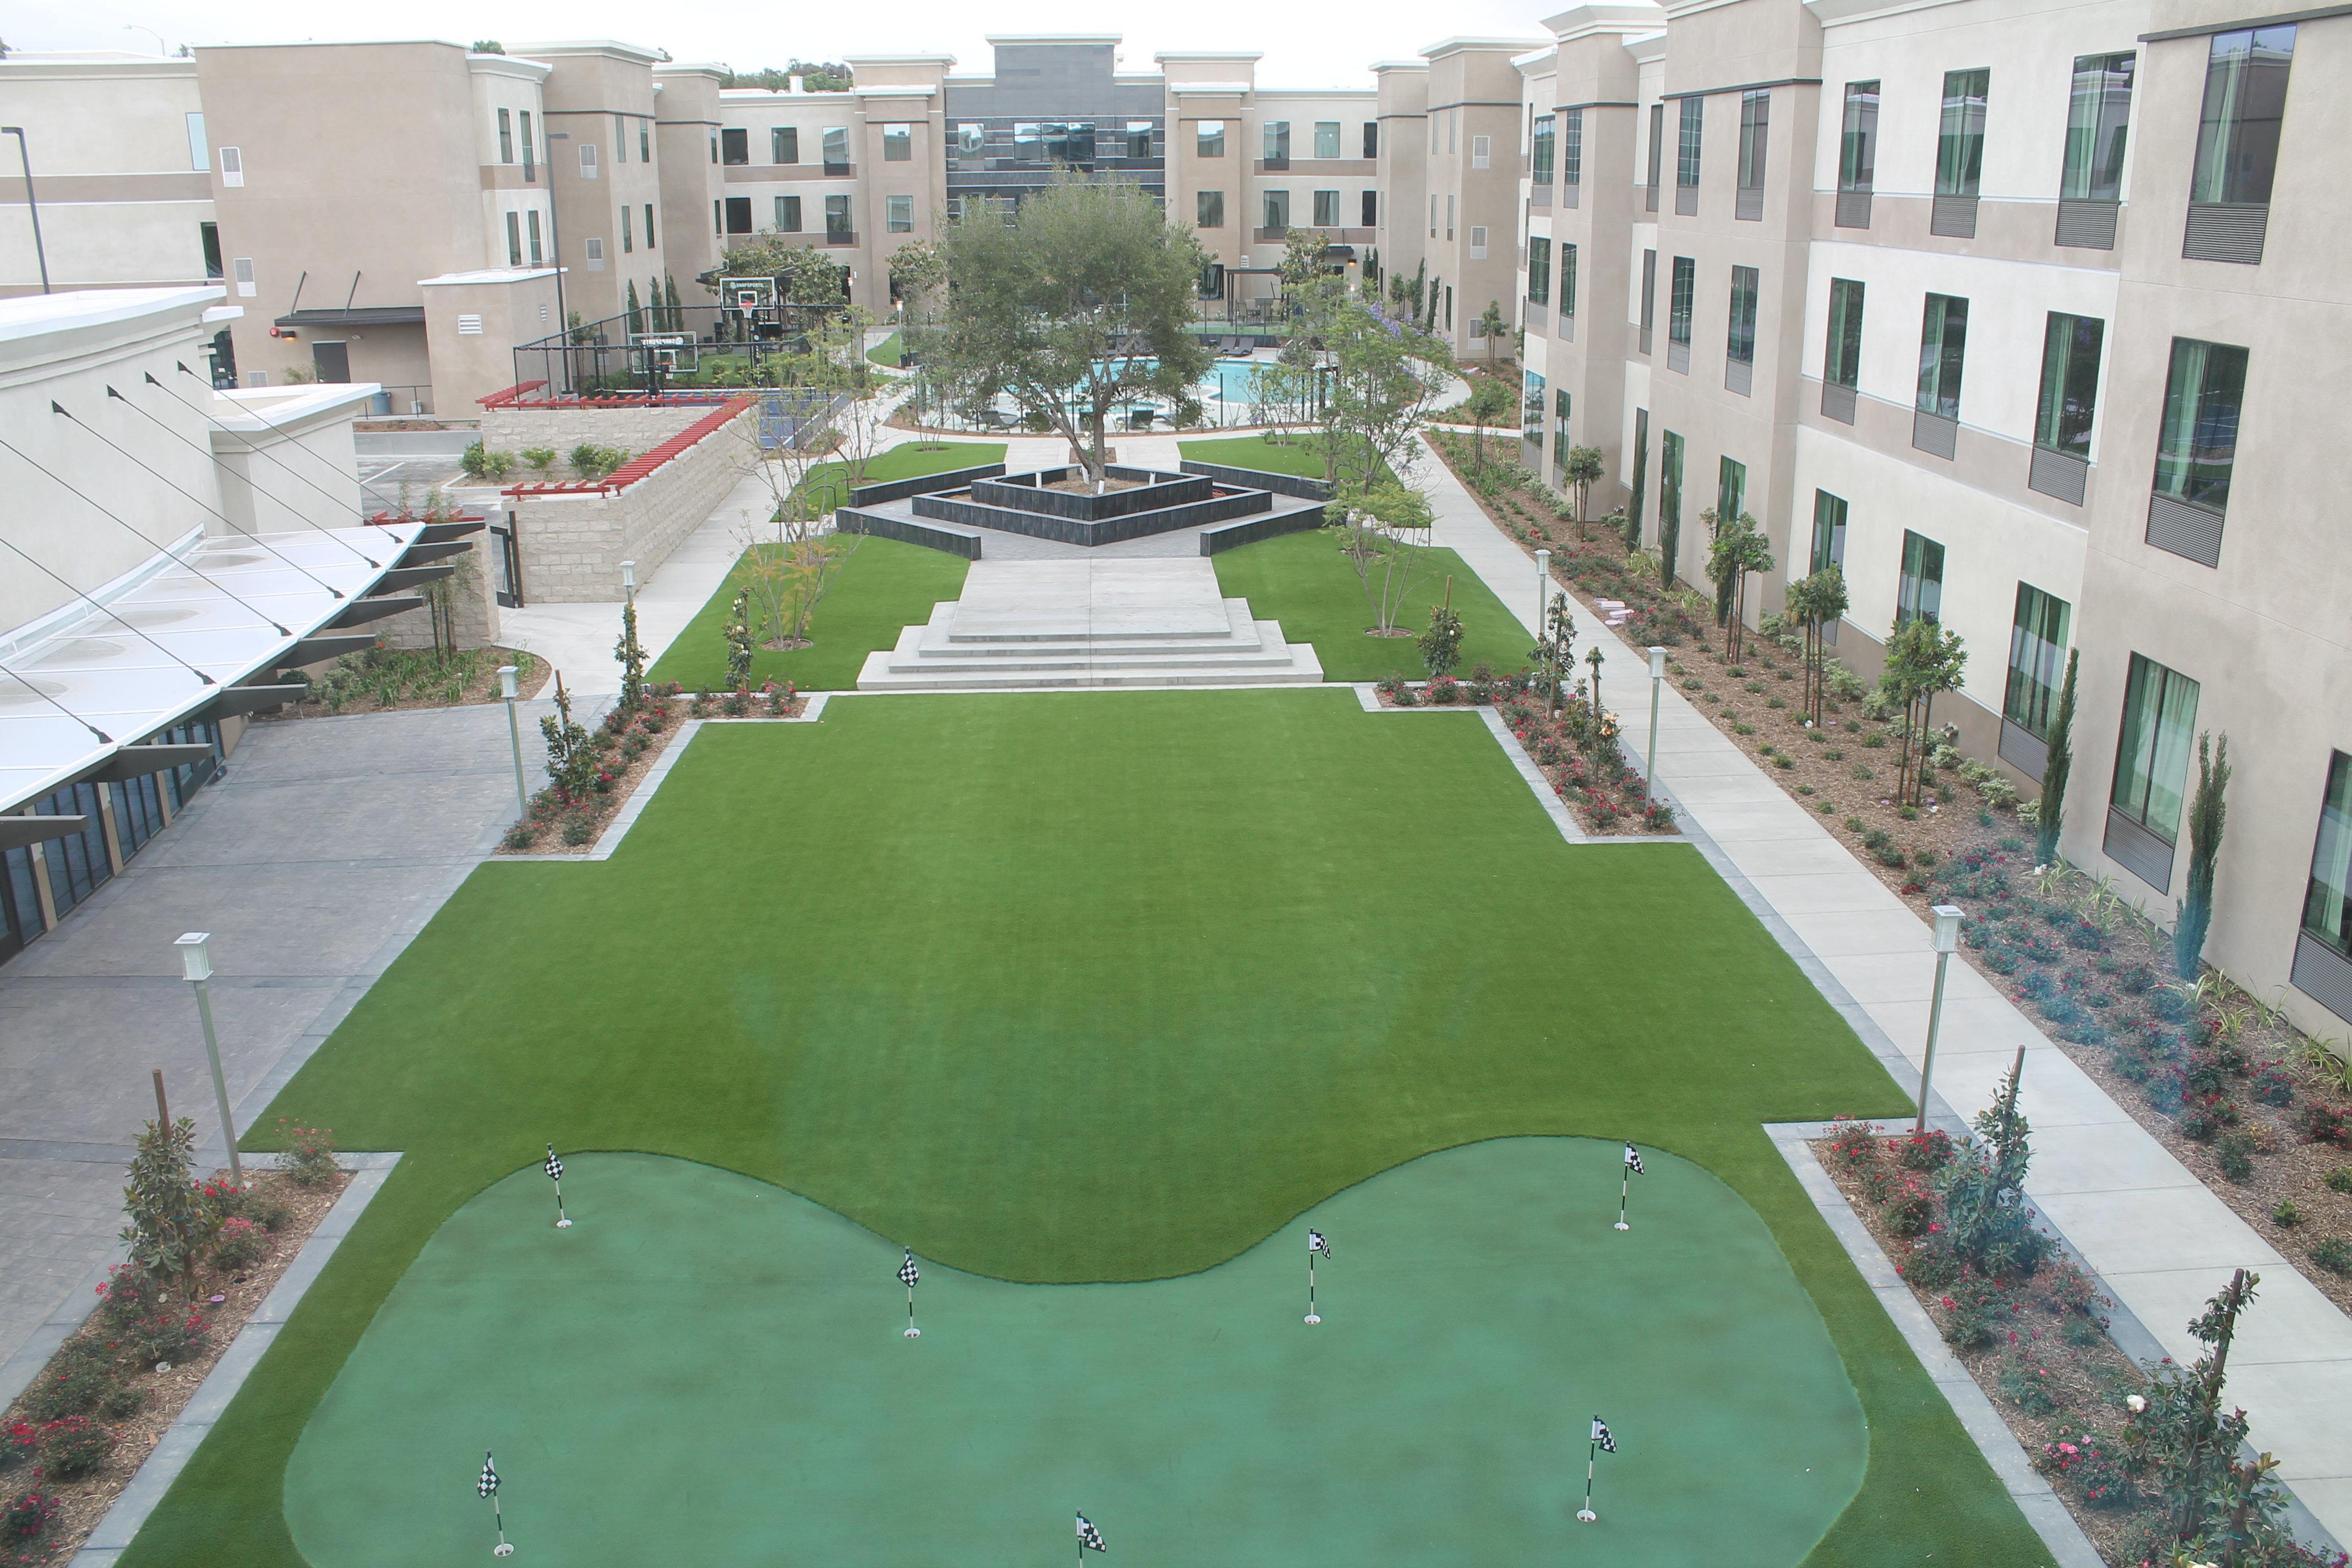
(1657, 680)
(1947, 941)
(514, 728)
(196, 964)
(555, 256)
(161, 46)
(31, 205)
(1543, 589)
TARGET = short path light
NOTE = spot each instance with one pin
(1947, 941)
(1657, 680)
(197, 964)
(1543, 588)
(507, 690)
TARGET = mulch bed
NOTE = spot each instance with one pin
(384, 680)
(1967, 844)
(82, 1502)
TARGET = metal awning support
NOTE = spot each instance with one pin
(442, 532)
(21, 832)
(316, 649)
(423, 554)
(137, 761)
(247, 700)
(362, 611)
(411, 577)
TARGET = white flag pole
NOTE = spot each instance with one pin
(1624, 1186)
(1312, 1316)
(1585, 1514)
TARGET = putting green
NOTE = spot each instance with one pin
(712, 1365)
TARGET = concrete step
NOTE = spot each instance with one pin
(939, 637)
(1301, 667)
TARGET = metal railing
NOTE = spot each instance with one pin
(661, 350)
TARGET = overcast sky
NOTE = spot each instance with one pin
(1321, 43)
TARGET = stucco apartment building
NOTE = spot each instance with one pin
(2025, 317)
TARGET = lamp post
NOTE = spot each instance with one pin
(1947, 941)
(1543, 588)
(629, 582)
(1657, 680)
(555, 256)
(514, 728)
(196, 964)
(31, 205)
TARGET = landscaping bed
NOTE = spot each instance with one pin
(1577, 751)
(382, 679)
(2034, 1339)
(118, 1382)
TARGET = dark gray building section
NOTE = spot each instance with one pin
(1052, 104)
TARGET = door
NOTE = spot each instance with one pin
(333, 361)
(506, 564)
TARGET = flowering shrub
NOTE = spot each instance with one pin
(1911, 1210)
(127, 1296)
(2095, 1465)
(73, 1447)
(2273, 1085)
(18, 1444)
(1443, 690)
(2027, 1383)
(73, 1383)
(308, 1160)
(2204, 1116)
(28, 1519)
(168, 1336)
(2323, 1123)
(1979, 1309)
(1853, 1142)
(240, 1245)
(1928, 1150)
(780, 697)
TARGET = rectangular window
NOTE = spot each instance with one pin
(835, 139)
(739, 215)
(1754, 135)
(1277, 209)
(1649, 295)
(718, 222)
(1641, 476)
(1670, 486)
(1841, 355)
(208, 235)
(1686, 143)
(536, 256)
(1449, 217)
(530, 149)
(898, 214)
(1278, 143)
(1829, 530)
(2070, 383)
(1138, 139)
(1208, 209)
(587, 160)
(1372, 218)
(1858, 137)
(2037, 660)
(1959, 140)
(620, 139)
(2328, 901)
(628, 232)
(1919, 595)
(1433, 215)
(200, 152)
(2098, 113)
(1541, 147)
(1741, 345)
(1943, 349)
(1567, 278)
(2152, 755)
(2198, 445)
(1531, 410)
(1481, 151)
(1678, 302)
(514, 238)
(1571, 148)
(644, 141)
(1477, 242)
(1730, 489)
(970, 145)
(1209, 139)
(1327, 139)
(2245, 103)
(1371, 140)
(897, 144)
(1326, 209)
(788, 214)
(1538, 270)
(649, 225)
(836, 221)
(506, 136)
(784, 143)
(1657, 150)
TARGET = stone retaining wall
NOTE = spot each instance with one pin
(631, 430)
(571, 545)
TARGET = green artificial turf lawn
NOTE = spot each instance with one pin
(885, 585)
(885, 352)
(709, 1331)
(1073, 987)
(1302, 455)
(1304, 581)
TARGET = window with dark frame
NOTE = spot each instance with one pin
(1538, 270)
(788, 214)
(1755, 136)
(837, 220)
(897, 144)
(1943, 355)
(2327, 897)
(2037, 660)
(2160, 721)
(1543, 145)
(1740, 345)
(1571, 148)
(1960, 137)
(1857, 154)
(739, 215)
(1919, 593)
(734, 146)
(2098, 118)
(1372, 218)
(2070, 383)
(1693, 123)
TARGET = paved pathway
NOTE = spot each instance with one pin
(2159, 1239)
(326, 845)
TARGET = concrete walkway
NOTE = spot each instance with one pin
(2160, 1239)
(325, 846)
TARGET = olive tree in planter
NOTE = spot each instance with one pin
(1816, 604)
(1582, 471)
(1923, 662)
(1737, 548)
(2207, 812)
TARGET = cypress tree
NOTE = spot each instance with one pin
(2050, 817)
(2207, 811)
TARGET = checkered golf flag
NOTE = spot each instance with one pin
(907, 1273)
(1633, 1159)
(489, 1485)
(1315, 1243)
(1090, 1537)
(554, 1167)
(1600, 1438)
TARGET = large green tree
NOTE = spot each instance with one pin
(1079, 303)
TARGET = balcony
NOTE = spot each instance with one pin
(2086, 226)
(2061, 475)
(2184, 529)
(1838, 402)
(1854, 209)
(1936, 435)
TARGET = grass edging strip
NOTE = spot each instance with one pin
(178, 1445)
(2033, 1495)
